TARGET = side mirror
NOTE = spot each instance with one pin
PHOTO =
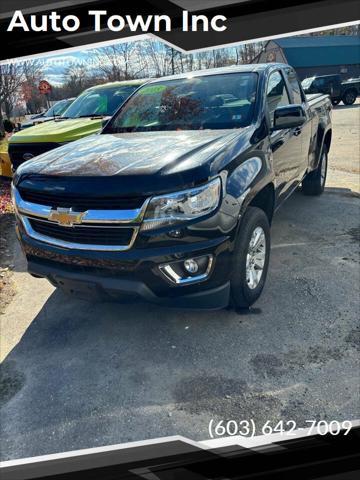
(289, 116)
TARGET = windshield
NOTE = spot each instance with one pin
(58, 108)
(99, 102)
(211, 102)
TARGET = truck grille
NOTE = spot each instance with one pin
(55, 200)
(18, 150)
(87, 235)
(105, 224)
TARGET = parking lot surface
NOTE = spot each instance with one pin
(78, 374)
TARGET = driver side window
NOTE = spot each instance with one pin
(276, 94)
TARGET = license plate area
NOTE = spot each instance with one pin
(81, 289)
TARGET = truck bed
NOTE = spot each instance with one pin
(313, 98)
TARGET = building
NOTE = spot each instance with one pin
(316, 55)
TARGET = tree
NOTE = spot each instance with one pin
(9, 104)
(119, 62)
(155, 58)
(249, 51)
(32, 72)
(76, 79)
(11, 78)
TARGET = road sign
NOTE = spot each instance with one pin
(44, 87)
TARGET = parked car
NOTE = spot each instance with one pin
(85, 116)
(5, 165)
(55, 111)
(173, 201)
(346, 91)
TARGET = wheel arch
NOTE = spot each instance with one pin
(265, 200)
(324, 137)
(327, 139)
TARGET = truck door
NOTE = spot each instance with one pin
(298, 97)
(336, 87)
(285, 144)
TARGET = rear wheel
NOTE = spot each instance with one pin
(314, 182)
(251, 258)
(349, 97)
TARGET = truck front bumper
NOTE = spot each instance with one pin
(101, 287)
(135, 274)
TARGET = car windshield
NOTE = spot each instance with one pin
(219, 101)
(58, 109)
(99, 101)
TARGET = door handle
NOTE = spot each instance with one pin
(297, 131)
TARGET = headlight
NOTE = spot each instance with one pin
(175, 208)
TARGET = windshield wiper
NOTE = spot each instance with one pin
(92, 115)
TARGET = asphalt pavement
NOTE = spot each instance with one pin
(79, 374)
(89, 374)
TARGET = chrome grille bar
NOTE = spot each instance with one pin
(91, 216)
(116, 218)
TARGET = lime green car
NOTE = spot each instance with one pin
(85, 116)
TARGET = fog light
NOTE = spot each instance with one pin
(187, 271)
(191, 265)
(176, 234)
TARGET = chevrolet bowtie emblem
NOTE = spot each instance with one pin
(66, 217)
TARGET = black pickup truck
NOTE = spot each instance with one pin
(172, 202)
(346, 91)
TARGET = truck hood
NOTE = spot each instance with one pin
(58, 131)
(138, 162)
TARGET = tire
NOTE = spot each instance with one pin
(349, 97)
(314, 182)
(244, 292)
(335, 101)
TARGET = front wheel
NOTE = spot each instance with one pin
(314, 182)
(251, 258)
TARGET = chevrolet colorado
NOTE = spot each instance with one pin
(173, 200)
